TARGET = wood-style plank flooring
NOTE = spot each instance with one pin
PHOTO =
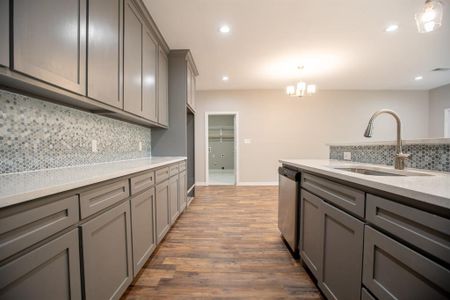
(225, 245)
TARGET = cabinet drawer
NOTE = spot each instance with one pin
(394, 271)
(427, 231)
(182, 166)
(102, 196)
(162, 174)
(51, 272)
(142, 182)
(347, 198)
(23, 226)
(173, 170)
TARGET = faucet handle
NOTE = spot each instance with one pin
(400, 160)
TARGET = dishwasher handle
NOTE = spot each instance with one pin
(289, 173)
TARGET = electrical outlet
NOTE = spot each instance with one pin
(94, 146)
(140, 146)
(347, 156)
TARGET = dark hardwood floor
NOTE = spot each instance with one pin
(225, 245)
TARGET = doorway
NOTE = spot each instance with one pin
(221, 148)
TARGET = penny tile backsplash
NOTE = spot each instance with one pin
(36, 134)
(423, 156)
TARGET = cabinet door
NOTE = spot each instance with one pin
(4, 33)
(342, 254)
(182, 191)
(143, 228)
(311, 232)
(51, 271)
(163, 88)
(149, 61)
(394, 271)
(132, 80)
(105, 51)
(173, 194)
(50, 41)
(193, 88)
(188, 85)
(162, 210)
(107, 253)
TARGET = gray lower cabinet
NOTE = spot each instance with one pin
(143, 228)
(163, 88)
(311, 232)
(182, 191)
(51, 271)
(104, 69)
(107, 257)
(394, 271)
(162, 210)
(4, 33)
(173, 195)
(49, 39)
(342, 254)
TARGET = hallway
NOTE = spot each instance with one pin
(225, 245)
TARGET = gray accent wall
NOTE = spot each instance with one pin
(439, 101)
(36, 134)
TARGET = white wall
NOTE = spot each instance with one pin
(283, 127)
(439, 101)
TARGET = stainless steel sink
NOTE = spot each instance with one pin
(373, 171)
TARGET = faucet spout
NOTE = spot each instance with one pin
(400, 157)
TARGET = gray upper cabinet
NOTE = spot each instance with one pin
(163, 88)
(149, 64)
(173, 195)
(394, 271)
(143, 228)
(105, 51)
(107, 257)
(51, 272)
(132, 85)
(191, 86)
(162, 210)
(4, 33)
(311, 232)
(342, 254)
(50, 42)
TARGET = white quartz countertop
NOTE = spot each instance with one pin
(24, 186)
(434, 190)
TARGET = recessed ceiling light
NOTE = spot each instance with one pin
(391, 28)
(224, 29)
(417, 78)
(225, 78)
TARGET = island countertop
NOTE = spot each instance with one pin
(20, 187)
(434, 190)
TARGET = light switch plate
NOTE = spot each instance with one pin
(347, 156)
(247, 141)
(140, 146)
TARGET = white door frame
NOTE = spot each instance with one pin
(236, 143)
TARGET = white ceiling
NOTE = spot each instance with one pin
(342, 43)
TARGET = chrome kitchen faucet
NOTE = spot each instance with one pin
(400, 157)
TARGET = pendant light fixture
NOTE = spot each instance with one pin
(301, 88)
(429, 18)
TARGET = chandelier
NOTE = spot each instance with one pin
(301, 88)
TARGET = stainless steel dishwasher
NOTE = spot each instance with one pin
(288, 207)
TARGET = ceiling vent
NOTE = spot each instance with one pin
(440, 69)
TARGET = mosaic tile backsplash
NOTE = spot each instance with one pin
(423, 156)
(36, 134)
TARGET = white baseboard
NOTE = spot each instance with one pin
(200, 184)
(267, 183)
